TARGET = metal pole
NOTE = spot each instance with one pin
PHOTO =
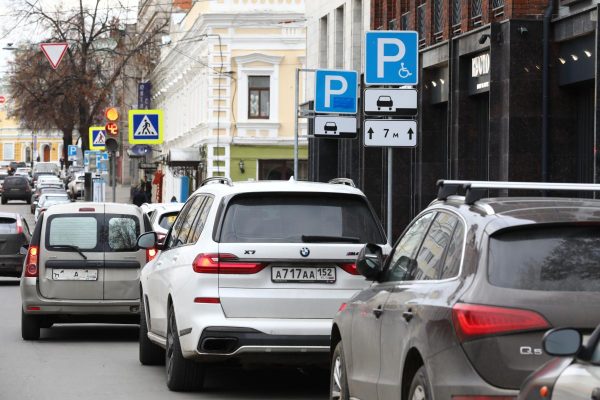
(297, 91)
(389, 195)
(113, 161)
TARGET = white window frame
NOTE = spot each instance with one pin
(6, 156)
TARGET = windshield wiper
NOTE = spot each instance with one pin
(69, 246)
(329, 239)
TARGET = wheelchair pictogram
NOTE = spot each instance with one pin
(404, 72)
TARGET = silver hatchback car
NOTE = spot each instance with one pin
(83, 265)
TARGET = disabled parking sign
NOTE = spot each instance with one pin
(145, 126)
(391, 58)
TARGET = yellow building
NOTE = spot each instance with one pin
(16, 142)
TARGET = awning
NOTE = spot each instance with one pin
(184, 157)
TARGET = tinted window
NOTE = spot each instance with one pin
(402, 262)
(432, 252)
(75, 231)
(122, 233)
(549, 259)
(176, 229)
(166, 220)
(8, 225)
(200, 221)
(188, 222)
(454, 256)
(16, 181)
(285, 218)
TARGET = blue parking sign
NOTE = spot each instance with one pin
(336, 91)
(391, 58)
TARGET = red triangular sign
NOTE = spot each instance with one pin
(54, 52)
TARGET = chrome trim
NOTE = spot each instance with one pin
(271, 349)
(156, 339)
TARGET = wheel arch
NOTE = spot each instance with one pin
(412, 363)
(336, 337)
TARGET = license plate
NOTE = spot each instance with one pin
(74, 274)
(303, 274)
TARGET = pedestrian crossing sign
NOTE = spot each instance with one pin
(97, 138)
(145, 126)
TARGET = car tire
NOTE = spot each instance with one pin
(30, 326)
(338, 380)
(183, 375)
(419, 388)
(28, 201)
(4, 200)
(150, 353)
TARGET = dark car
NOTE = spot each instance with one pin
(14, 233)
(48, 188)
(3, 176)
(459, 308)
(16, 188)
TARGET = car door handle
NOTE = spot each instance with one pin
(378, 311)
(408, 315)
(596, 394)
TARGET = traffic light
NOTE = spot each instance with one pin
(112, 129)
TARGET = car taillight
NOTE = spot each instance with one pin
(31, 262)
(474, 320)
(343, 307)
(225, 264)
(150, 254)
(19, 226)
(350, 268)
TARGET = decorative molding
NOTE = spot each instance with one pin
(254, 57)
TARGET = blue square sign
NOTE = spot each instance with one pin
(336, 91)
(392, 58)
(145, 126)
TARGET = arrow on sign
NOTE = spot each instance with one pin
(371, 132)
(410, 133)
(54, 52)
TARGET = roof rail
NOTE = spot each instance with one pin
(342, 181)
(219, 179)
(476, 190)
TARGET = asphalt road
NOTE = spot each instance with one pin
(101, 362)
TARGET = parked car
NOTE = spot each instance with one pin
(16, 188)
(48, 179)
(76, 187)
(44, 168)
(252, 272)
(46, 188)
(14, 165)
(575, 372)
(163, 217)
(460, 306)
(14, 233)
(83, 265)
(149, 208)
(49, 199)
(3, 176)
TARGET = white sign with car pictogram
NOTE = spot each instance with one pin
(390, 133)
(335, 127)
(390, 101)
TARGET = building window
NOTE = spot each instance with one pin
(421, 22)
(323, 42)
(9, 151)
(497, 5)
(404, 21)
(437, 16)
(339, 37)
(456, 12)
(259, 97)
(275, 170)
(476, 8)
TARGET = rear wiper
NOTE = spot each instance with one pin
(329, 239)
(69, 246)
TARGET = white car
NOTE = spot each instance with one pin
(253, 272)
(163, 217)
(49, 199)
(45, 179)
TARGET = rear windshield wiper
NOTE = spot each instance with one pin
(69, 246)
(330, 239)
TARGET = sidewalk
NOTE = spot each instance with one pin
(122, 194)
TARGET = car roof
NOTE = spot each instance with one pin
(9, 215)
(111, 208)
(168, 207)
(291, 186)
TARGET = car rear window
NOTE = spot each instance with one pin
(546, 258)
(75, 231)
(285, 218)
(166, 220)
(8, 225)
(16, 181)
(122, 233)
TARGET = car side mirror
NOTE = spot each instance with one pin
(370, 261)
(562, 342)
(147, 240)
(24, 250)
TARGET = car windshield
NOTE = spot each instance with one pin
(286, 218)
(166, 220)
(548, 259)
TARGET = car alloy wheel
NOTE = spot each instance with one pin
(339, 381)
(170, 353)
(419, 393)
(336, 386)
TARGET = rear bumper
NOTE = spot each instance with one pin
(31, 297)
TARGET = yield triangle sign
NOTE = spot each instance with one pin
(54, 52)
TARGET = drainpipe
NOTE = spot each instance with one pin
(545, 88)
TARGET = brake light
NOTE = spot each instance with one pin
(350, 268)
(474, 320)
(224, 264)
(150, 254)
(19, 226)
(87, 209)
(31, 262)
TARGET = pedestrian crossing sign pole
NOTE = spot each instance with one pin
(145, 126)
(97, 138)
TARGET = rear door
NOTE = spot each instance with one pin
(64, 273)
(536, 274)
(122, 258)
(291, 255)
(10, 240)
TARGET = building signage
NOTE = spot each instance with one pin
(479, 80)
(144, 95)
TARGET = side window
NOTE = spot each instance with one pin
(188, 220)
(122, 233)
(454, 255)
(431, 255)
(172, 239)
(402, 261)
(200, 221)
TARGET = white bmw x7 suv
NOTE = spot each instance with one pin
(252, 273)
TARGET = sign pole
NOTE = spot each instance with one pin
(296, 139)
(113, 161)
(390, 163)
